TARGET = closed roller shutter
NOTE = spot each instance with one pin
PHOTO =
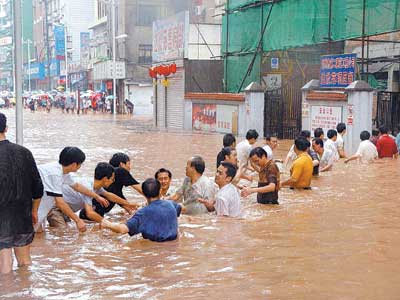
(175, 100)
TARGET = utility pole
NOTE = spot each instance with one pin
(18, 71)
(114, 58)
(47, 43)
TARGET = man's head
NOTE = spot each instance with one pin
(365, 135)
(104, 173)
(151, 189)
(332, 134)
(164, 176)
(301, 145)
(375, 132)
(72, 157)
(121, 160)
(305, 134)
(383, 130)
(318, 145)
(252, 136)
(195, 166)
(225, 174)
(272, 141)
(319, 133)
(227, 154)
(3, 123)
(229, 140)
(341, 128)
(259, 157)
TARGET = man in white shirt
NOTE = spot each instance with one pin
(244, 148)
(227, 200)
(366, 151)
(341, 130)
(195, 186)
(271, 143)
(54, 176)
(73, 201)
(330, 144)
(327, 157)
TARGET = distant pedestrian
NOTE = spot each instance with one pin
(271, 143)
(20, 191)
(374, 136)
(385, 145)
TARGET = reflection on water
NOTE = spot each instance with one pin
(338, 241)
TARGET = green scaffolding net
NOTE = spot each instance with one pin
(296, 23)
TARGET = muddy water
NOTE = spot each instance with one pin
(339, 241)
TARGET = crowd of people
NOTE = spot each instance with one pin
(33, 197)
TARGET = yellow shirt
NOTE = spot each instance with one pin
(302, 171)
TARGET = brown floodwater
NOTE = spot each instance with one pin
(339, 241)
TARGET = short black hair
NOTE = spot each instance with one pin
(383, 129)
(197, 162)
(268, 136)
(102, 170)
(319, 141)
(162, 170)
(332, 133)
(375, 132)
(228, 140)
(341, 127)
(259, 152)
(224, 152)
(118, 158)
(365, 135)
(70, 155)
(305, 134)
(301, 143)
(318, 132)
(3, 123)
(251, 134)
(151, 188)
(230, 169)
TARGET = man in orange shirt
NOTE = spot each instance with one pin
(302, 169)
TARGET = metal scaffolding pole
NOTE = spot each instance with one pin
(18, 71)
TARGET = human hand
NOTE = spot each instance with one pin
(104, 223)
(245, 192)
(103, 202)
(34, 217)
(81, 225)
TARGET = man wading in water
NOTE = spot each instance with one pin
(158, 221)
(268, 185)
(20, 193)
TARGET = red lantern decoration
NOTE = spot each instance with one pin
(157, 70)
(152, 73)
(172, 68)
(167, 72)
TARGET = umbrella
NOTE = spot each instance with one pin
(110, 97)
(60, 87)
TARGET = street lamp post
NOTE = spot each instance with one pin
(18, 71)
(114, 58)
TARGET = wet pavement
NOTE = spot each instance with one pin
(338, 241)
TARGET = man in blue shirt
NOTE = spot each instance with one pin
(157, 221)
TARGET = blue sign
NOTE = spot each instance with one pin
(337, 70)
(36, 71)
(59, 37)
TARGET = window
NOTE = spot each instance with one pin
(147, 14)
(101, 10)
(145, 52)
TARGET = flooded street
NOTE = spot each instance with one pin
(339, 241)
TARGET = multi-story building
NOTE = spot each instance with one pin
(6, 40)
(133, 33)
(72, 18)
